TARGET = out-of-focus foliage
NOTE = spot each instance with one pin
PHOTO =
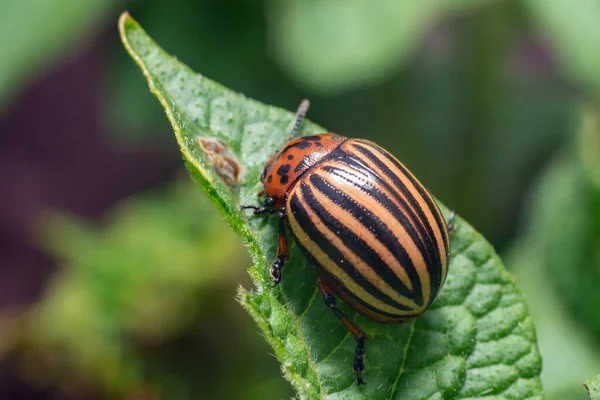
(145, 304)
(557, 261)
(330, 46)
(478, 321)
(574, 33)
(569, 352)
(566, 223)
(33, 31)
(593, 388)
(223, 38)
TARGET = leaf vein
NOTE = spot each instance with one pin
(401, 370)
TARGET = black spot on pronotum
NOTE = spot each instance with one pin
(284, 169)
(302, 144)
(290, 157)
(264, 174)
(315, 138)
(319, 144)
(283, 172)
(270, 179)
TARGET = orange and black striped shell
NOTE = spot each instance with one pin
(365, 222)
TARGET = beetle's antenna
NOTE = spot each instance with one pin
(300, 114)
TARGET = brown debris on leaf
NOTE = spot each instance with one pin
(222, 160)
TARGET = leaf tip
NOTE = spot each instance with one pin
(126, 22)
(125, 16)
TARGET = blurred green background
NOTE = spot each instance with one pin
(109, 289)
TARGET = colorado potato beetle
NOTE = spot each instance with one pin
(373, 233)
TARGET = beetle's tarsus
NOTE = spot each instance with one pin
(276, 271)
(358, 361)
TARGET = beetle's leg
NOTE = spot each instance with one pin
(359, 335)
(283, 250)
(258, 210)
(267, 207)
(450, 224)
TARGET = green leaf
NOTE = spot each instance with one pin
(478, 339)
(593, 387)
(337, 45)
(568, 241)
(556, 260)
(226, 42)
(562, 339)
(33, 31)
(573, 31)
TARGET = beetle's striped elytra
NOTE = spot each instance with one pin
(373, 233)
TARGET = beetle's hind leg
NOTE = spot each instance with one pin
(450, 223)
(359, 335)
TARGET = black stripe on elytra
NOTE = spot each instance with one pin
(411, 222)
(322, 271)
(402, 214)
(354, 241)
(375, 225)
(433, 207)
(396, 317)
(435, 276)
(301, 216)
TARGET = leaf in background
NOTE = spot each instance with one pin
(139, 300)
(557, 262)
(332, 46)
(477, 340)
(224, 38)
(562, 340)
(573, 31)
(593, 387)
(588, 142)
(32, 31)
(568, 242)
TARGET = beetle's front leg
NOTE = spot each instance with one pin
(283, 250)
(266, 208)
